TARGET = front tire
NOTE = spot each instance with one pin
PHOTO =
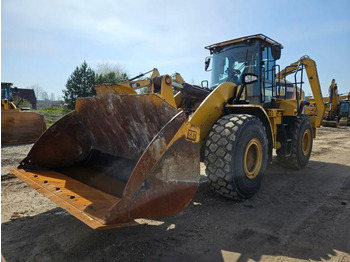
(236, 154)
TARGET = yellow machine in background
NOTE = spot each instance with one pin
(331, 117)
(124, 155)
(337, 109)
(18, 126)
(344, 110)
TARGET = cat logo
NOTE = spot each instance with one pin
(192, 135)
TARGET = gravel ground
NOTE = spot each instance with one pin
(296, 215)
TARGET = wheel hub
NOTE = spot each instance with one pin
(253, 158)
(306, 142)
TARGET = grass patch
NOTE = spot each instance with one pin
(54, 110)
(52, 114)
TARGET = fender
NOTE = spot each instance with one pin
(260, 113)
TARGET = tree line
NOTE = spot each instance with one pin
(83, 79)
(41, 94)
(81, 82)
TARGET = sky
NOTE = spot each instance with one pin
(42, 42)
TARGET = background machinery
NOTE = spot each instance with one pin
(344, 110)
(336, 107)
(124, 155)
(17, 125)
(331, 116)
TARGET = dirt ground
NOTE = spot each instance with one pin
(296, 215)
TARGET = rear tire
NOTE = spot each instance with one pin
(301, 147)
(236, 154)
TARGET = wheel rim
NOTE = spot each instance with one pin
(306, 142)
(253, 158)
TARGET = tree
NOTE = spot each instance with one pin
(79, 84)
(111, 78)
(37, 90)
(105, 68)
(59, 98)
(44, 96)
(109, 73)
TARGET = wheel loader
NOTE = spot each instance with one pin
(344, 110)
(127, 154)
(17, 125)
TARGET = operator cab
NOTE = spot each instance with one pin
(257, 55)
(344, 109)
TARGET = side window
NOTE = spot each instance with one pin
(226, 68)
(268, 63)
(268, 73)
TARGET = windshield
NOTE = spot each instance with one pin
(5, 92)
(229, 63)
(344, 107)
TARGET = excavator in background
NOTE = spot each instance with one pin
(17, 125)
(336, 107)
(331, 118)
(126, 154)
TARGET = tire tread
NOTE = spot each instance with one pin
(218, 154)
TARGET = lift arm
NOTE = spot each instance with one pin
(311, 70)
(162, 85)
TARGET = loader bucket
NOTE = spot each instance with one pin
(21, 126)
(116, 158)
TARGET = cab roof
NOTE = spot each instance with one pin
(244, 39)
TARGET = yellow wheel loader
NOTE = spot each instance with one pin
(17, 125)
(124, 155)
(344, 111)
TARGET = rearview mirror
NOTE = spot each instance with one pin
(249, 78)
(276, 51)
(207, 63)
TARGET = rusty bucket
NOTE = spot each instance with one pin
(116, 158)
(21, 126)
